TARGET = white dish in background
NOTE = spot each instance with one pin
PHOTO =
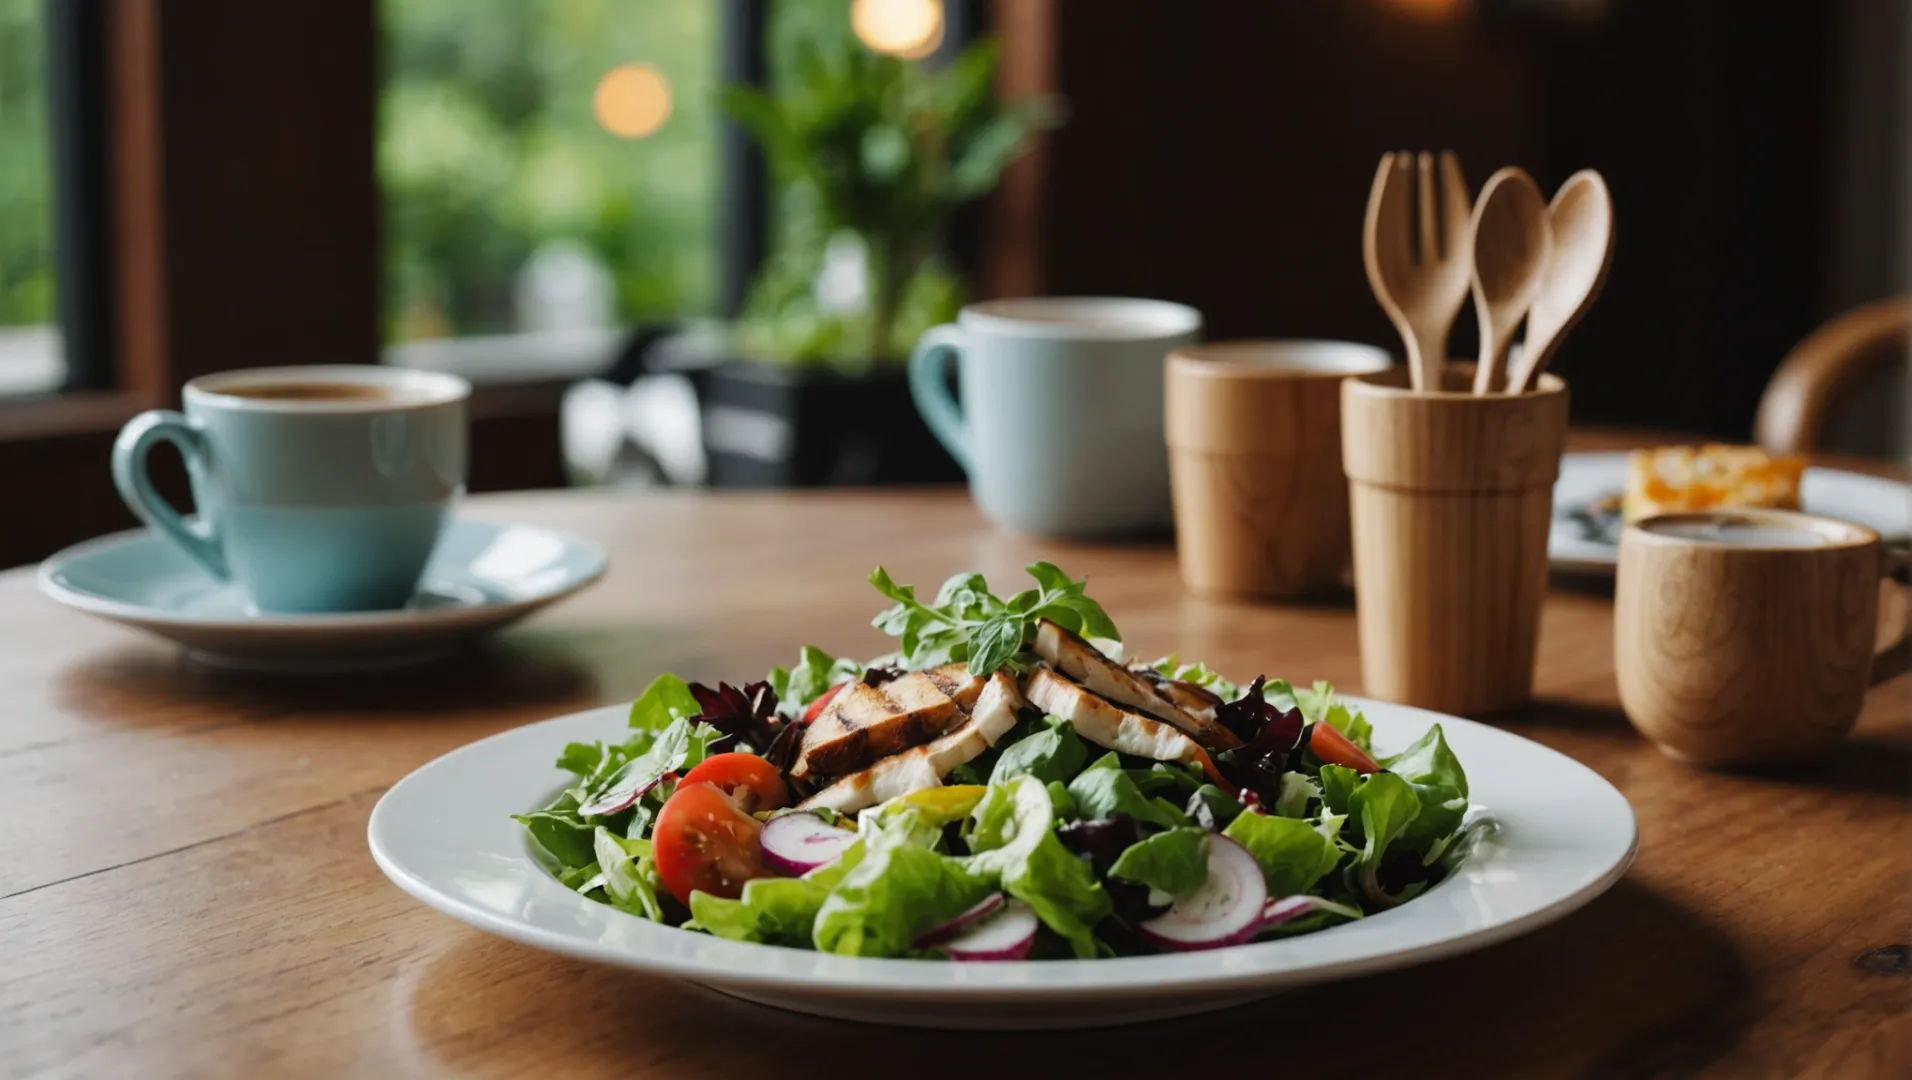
(1882, 505)
(444, 835)
(481, 577)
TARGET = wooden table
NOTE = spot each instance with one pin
(185, 888)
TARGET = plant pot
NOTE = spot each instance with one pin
(771, 425)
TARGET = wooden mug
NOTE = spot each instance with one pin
(1452, 496)
(1750, 637)
(1254, 438)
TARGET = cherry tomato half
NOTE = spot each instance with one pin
(823, 700)
(1333, 748)
(750, 781)
(703, 843)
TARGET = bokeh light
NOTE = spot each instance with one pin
(911, 29)
(632, 100)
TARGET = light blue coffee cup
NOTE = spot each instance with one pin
(328, 498)
(1059, 419)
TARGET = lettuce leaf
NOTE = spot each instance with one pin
(1174, 862)
(897, 889)
(1439, 783)
(630, 878)
(1292, 854)
(1171, 667)
(815, 672)
(1012, 833)
(1385, 806)
(771, 911)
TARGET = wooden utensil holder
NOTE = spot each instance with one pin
(1451, 496)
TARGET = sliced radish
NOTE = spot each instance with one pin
(984, 908)
(623, 794)
(796, 844)
(1006, 935)
(1290, 908)
(1225, 910)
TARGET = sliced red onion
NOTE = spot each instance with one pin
(623, 794)
(1007, 935)
(984, 908)
(1287, 909)
(796, 844)
(1225, 910)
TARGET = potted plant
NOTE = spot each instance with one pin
(872, 154)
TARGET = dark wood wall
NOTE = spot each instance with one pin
(1220, 154)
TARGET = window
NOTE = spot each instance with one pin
(550, 171)
(30, 352)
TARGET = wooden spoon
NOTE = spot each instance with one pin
(1417, 244)
(1513, 243)
(1582, 219)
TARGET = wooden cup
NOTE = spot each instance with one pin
(1737, 655)
(1451, 496)
(1254, 437)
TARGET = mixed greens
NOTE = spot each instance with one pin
(923, 805)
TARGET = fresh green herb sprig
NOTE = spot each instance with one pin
(967, 622)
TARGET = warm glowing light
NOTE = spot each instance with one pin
(908, 28)
(632, 100)
(1434, 10)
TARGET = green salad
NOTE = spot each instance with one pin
(1002, 787)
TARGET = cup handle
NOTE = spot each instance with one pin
(929, 388)
(1894, 659)
(196, 538)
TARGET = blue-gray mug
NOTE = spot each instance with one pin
(1058, 418)
(320, 488)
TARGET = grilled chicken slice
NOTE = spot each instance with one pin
(1198, 701)
(1107, 725)
(1084, 663)
(956, 681)
(925, 766)
(863, 723)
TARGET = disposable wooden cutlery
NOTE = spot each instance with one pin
(1513, 245)
(1582, 218)
(1417, 242)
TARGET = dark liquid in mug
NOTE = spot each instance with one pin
(311, 391)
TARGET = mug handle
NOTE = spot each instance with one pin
(198, 538)
(1893, 660)
(929, 388)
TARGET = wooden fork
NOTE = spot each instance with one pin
(1419, 250)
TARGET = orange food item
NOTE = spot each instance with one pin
(1677, 479)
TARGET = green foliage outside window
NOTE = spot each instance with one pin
(26, 169)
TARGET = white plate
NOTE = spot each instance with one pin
(444, 835)
(1883, 505)
(481, 577)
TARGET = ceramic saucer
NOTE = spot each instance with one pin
(482, 577)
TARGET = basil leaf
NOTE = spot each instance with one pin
(1051, 752)
(994, 642)
(1105, 789)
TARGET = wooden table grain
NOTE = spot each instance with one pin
(185, 888)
